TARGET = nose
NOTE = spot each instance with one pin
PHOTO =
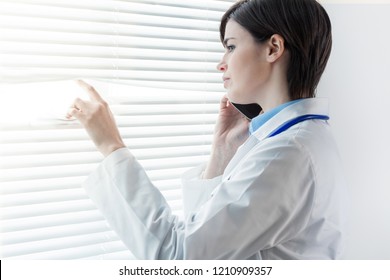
(222, 66)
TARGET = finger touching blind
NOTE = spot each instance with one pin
(154, 62)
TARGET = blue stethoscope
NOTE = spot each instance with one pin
(295, 121)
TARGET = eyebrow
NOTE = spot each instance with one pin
(226, 40)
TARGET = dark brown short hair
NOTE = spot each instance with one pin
(305, 27)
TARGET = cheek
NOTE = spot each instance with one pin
(244, 66)
(239, 73)
(248, 84)
(245, 75)
(256, 73)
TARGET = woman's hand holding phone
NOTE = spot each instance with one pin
(230, 132)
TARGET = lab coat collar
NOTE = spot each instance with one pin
(261, 119)
(305, 106)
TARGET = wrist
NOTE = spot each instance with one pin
(108, 149)
(215, 166)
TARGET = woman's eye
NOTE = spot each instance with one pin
(230, 48)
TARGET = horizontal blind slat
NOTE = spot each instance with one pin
(10, 162)
(178, 85)
(57, 244)
(217, 5)
(59, 171)
(169, 184)
(172, 120)
(167, 174)
(159, 110)
(144, 75)
(53, 49)
(101, 50)
(22, 224)
(19, 34)
(105, 11)
(49, 208)
(75, 252)
(120, 17)
(13, 200)
(118, 255)
(72, 63)
(26, 186)
(108, 27)
(151, 135)
(53, 232)
(19, 149)
(52, 184)
(83, 169)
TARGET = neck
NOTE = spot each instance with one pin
(276, 95)
(267, 105)
(276, 92)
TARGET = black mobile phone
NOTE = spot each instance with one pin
(248, 110)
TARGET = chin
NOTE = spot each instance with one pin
(237, 96)
(233, 97)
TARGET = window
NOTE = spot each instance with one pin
(155, 62)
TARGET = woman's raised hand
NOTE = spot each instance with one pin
(98, 120)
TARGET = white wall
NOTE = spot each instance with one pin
(357, 82)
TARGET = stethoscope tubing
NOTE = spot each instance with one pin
(295, 121)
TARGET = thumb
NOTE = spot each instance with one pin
(74, 113)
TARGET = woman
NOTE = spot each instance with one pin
(273, 192)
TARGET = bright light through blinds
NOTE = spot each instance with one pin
(34, 103)
(155, 63)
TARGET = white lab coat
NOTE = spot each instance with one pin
(279, 198)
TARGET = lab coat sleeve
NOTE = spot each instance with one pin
(196, 191)
(134, 207)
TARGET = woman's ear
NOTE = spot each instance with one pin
(275, 48)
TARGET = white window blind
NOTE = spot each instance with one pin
(154, 61)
